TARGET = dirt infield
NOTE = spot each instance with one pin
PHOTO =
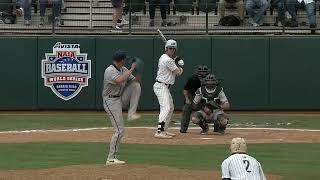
(145, 136)
(142, 136)
(122, 172)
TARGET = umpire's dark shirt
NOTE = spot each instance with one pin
(192, 84)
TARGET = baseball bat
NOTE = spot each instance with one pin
(164, 39)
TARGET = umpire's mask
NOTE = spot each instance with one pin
(202, 71)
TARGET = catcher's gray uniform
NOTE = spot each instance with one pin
(114, 95)
(209, 112)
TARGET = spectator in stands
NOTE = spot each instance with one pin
(281, 11)
(256, 9)
(163, 9)
(7, 12)
(95, 2)
(282, 7)
(26, 8)
(223, 4)
(63, 6)
(117, 19)
(56, 8)
(310, 8)
(290, 6)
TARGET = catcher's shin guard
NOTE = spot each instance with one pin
(198, 119)
(220, 124)
(203, 124)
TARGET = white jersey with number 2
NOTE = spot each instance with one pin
(242, 167)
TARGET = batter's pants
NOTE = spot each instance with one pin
(166, 103)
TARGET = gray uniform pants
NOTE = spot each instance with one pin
(202, 119)
(130, 97)
(113, 106)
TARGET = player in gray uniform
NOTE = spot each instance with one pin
(209, 103)
(116, 76)
(239, 165)
(189, 91)
(132, 91)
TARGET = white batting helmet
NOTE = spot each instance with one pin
(171, 44)
(238, 145)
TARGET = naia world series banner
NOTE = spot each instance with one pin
(66, 70)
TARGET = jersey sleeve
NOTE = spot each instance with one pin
(222, 96)
(110, 75)
(261, 172)
(171, 64)
(225, 169)
(188, 85)
(197, 97)
(131, 77)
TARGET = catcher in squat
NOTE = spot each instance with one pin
(193, 83)
(208, 104)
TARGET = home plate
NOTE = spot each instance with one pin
(204, 138)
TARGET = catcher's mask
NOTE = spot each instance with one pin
(238, 145)
(211, 82)
(202, 71)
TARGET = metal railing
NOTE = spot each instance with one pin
(86, 17)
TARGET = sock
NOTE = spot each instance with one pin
(161, 126)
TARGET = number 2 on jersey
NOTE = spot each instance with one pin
(247, 163)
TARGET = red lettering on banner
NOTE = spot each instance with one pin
(66, 54)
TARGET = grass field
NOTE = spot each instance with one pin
(292, 161)
(65, 121)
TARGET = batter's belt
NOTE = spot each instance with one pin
(168, 85)
(113, 96)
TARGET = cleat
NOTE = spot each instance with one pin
(114, 162)
(134, 117)
(171, 134)
(162, 135)
(183, 131)
(204, 131)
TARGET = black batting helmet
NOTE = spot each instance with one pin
(202, 71)
(210, 81)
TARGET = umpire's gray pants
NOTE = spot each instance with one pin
(113, 106)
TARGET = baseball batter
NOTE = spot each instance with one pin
(209, 103)
(241, 166)
(167, 71)
(116, 76)
(193, 84)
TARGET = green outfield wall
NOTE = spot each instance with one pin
(259, 73)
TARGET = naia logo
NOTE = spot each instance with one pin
(66, 70)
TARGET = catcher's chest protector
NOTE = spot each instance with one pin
(206, 96)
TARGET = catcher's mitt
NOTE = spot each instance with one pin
(207, 110)
(214, 105)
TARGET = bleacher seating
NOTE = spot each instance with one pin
(87, 16)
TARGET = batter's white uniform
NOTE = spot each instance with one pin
(242, 167)
(165, 79)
